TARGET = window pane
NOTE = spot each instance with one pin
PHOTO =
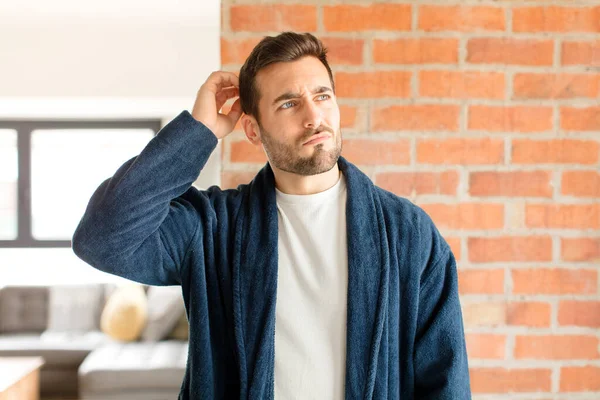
(9, 166)
(67, 166)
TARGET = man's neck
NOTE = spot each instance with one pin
(290, 183)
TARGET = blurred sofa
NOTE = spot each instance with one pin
(70, 326)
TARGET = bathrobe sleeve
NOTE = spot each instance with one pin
(441, 367)
(139, 223)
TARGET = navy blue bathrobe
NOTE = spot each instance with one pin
(405, 335)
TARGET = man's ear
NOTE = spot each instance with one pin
(251, 130)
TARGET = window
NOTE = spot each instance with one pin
(8, 184)
(49, 170)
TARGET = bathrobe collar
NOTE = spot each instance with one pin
(255, 261)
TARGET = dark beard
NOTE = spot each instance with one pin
(285, 158)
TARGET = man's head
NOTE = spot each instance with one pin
(288, 95)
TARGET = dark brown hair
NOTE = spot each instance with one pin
(285, 47)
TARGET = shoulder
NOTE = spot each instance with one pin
(414, 226)
(402, 210)
(212, 202)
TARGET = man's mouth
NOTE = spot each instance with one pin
(318, 138)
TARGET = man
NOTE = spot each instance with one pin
(307, 283)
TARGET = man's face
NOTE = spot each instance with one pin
(300, 119)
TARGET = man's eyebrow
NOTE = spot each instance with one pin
(291, 95)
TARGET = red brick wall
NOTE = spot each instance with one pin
(487, 116)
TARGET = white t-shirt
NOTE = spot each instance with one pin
(310, 324)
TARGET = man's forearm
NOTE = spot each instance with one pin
(127, 209)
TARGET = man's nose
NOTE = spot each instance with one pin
(312, 116)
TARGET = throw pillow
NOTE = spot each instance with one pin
(165, 306)
(125, 313)
(74, 308)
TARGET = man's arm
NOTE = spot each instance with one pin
(441, 366)
(140, 223)
(137, 225)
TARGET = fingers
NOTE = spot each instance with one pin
(214, 92)
(235, 113)
(221, 79)
(224, 95)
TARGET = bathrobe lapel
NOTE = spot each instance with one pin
(255, 263)
(368, 282)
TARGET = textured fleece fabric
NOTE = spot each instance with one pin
(147, 223)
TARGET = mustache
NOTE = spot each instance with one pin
(306, 137)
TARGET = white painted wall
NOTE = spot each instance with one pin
(110, 49)
(101, 59)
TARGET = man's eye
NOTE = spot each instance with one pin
(290, 102)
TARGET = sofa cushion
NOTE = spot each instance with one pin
(65, 351)
(23, 309)
(132, 366)
(75, 308)
(165, 307)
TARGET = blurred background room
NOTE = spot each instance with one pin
(486, 113)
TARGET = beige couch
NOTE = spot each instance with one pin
(62, 324)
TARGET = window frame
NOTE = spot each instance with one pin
(24, 129)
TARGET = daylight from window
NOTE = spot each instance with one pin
(67, 166)
(8, 184)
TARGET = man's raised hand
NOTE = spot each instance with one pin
(219, 87)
